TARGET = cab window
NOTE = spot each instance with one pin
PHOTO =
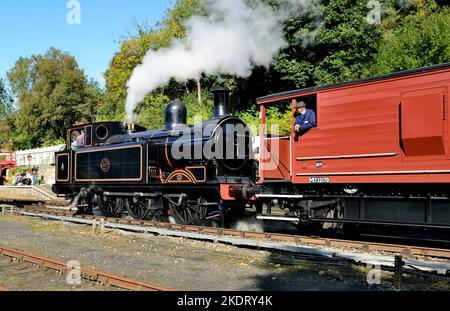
(311, 104)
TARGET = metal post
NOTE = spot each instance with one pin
(263, 141)
(10, 150)
(102, 225)
(30, 158)
(399, 263)
(94, 225)
(222, 211)
(428, 210)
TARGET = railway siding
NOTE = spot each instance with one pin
(189, 264)
(180, 263)
(88, 273)
(227, 235)
(428, 259)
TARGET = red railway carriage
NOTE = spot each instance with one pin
(379, 152)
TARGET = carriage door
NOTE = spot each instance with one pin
(275, 144)
(424, 126)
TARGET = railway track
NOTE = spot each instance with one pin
(414, 259)
(90, 275)
(396, 249)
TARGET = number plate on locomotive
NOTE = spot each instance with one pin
(319, 180)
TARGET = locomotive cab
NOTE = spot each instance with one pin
(101, 133)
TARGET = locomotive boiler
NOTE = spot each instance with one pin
(181, 172)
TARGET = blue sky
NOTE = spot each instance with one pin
(31, 27)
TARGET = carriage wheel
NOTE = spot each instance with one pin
(185, 211)
(139, 209)
(110, 207)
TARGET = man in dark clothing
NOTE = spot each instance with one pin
(305, 119)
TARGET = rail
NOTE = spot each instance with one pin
(416, 260)
(395, 249)
(90, 274)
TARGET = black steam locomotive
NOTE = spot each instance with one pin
(184, 173)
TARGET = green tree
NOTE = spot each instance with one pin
(53, 94)
(132, 51)
(330, 44)
(6, 102)
(334, 42)
(335, 49)
(418, 40)
(6, 115)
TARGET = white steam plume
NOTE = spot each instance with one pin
(236, 36)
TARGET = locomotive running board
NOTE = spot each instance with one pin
(133, 194)
(278, 218)
(279, 196)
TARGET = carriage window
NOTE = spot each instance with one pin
(279, 115)
(279, 119)
(311, 104)
(77, 138)
(74, 135)
(88, 136)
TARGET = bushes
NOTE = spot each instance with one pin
(279, 119)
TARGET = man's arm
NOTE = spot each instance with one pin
(296, 120)
(297, 123)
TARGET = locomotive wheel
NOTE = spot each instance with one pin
(110, 207)
(139, 209)
(185, 211)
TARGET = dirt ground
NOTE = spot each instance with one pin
(183, 264)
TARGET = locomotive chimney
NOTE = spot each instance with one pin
(175, 114)
(221, 99)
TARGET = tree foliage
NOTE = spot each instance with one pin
(419, 40)
(53, 94)
(331, 43)
(6, 102)
(6, 114)
(335, 49)
(133, 50)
